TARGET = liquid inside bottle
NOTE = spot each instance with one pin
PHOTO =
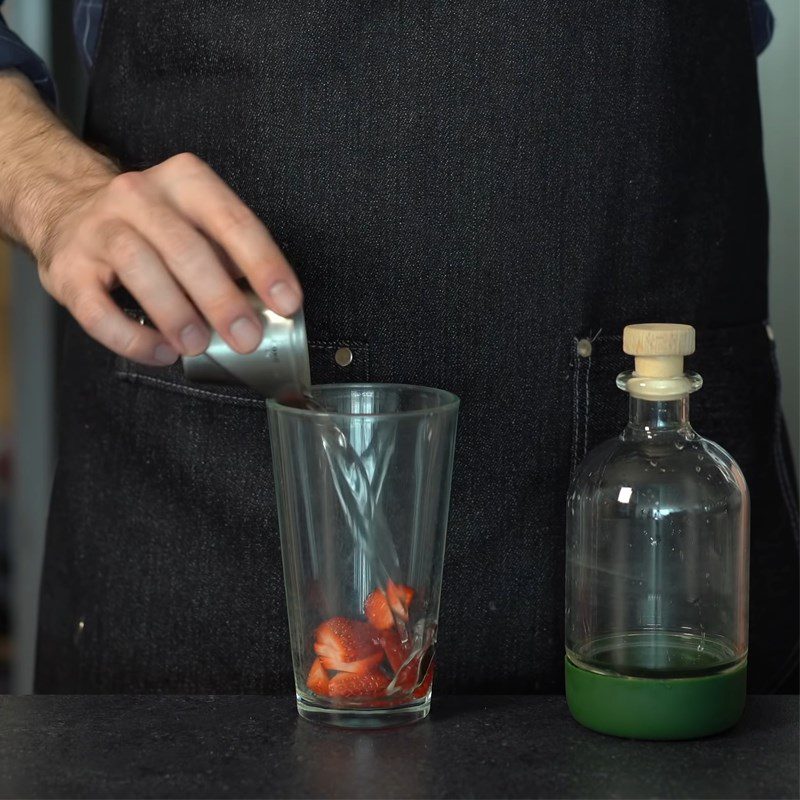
(657, 562)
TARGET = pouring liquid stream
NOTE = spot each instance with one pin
(358, 496)
(357, 457)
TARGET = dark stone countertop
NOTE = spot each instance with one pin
(256, 746)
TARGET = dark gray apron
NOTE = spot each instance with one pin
(465, 188)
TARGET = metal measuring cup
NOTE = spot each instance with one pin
(278, 367)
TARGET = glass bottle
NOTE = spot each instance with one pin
(657, 562)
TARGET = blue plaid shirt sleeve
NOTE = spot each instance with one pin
(14, 54)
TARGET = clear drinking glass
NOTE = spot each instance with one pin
(362, 477)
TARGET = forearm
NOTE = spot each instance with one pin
(44, 168)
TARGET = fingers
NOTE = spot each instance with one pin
(177, 237)
(192, 262)
(214, 208)
(141, 271)
(104, 321)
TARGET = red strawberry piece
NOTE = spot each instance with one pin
(399, 598)
(359, 667)
(346, 640)
(349, 684)
(408, 676)
(317, 680)
(417, 674)
(426, 683)
(396, 650)
(377, 610)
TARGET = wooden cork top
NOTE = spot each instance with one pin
(658, 339)
(659, 348)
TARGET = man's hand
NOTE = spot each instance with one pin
(175, 236)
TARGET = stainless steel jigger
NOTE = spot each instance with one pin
(278, 367)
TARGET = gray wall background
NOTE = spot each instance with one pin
(779, 81)
(32, 356)
(32, 323)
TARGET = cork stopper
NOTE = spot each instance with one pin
(659, 348)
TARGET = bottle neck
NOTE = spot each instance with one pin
(649, 418)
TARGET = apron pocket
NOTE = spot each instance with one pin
(332, 361)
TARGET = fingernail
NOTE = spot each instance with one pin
(246, 333)
(194, 339)
(165, 354)
(285, 298)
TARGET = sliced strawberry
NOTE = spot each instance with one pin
(426, 682)
(359, 667)
(348, 684)
(346, 640)
(317, 680)
(417, 673)
(377, 610)
(399, 598)
(380, 605)
(396, 651)
(408, 677)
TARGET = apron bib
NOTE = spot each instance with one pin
(465, 189)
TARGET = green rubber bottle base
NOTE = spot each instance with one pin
(650, 708)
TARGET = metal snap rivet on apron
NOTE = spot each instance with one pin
(770, 332)
(78, 635)
(343, 357)
(584, 348)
